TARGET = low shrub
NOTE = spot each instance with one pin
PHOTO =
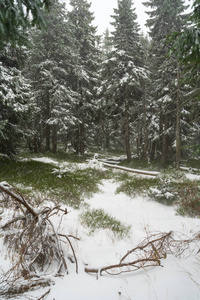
(99, 219)
(189, 199)
(135, 185)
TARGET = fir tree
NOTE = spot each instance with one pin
(165, 17)
(84, 77)
(124, 72)
(186, 42)
(50, 64)
(15, 98)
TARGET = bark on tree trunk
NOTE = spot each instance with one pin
(145, 130)
(82, 139)
(47, 136)
(165, 140)
(178, 121)
(41, 137)
(54, 138)
(47, 129)
(127, 133)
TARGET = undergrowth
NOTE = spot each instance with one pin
(134, 185)
(189, 199)
(36, 177)
(99, 219)
(42, 181)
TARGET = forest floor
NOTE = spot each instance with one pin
(178, 277)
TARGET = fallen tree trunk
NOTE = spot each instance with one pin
(142, 172)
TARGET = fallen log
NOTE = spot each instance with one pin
(142, 172)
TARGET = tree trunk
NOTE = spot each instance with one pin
(145, 130)
(165, 140)
(54, 138)
(47, 129)
(178, 122)
(153, 150)
(41, 137)
(47, 136)
(82, 139)
(127, 133)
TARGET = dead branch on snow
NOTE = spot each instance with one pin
(34, 245)
(147, 254)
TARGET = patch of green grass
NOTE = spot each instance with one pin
(59, 156)
(134, 185)
(99, 219)
(70, 188)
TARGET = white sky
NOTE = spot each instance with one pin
(103, 9)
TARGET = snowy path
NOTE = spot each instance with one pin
(178, 279)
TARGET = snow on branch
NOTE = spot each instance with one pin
(35, 247)
(147, 254)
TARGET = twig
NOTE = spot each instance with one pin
(67, 238)
(43, 296)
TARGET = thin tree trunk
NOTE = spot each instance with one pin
(47, 130)
(127, 133)
(41, 137)
(178, 121)
(82, 139)
(47, 136)
(145, 130)
(165, 140)
(54, 138)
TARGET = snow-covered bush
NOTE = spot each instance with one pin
(166, 191)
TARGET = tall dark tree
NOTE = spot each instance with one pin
(124, 71)
(15, 99)
(186, 42)
(165, 17)
(49, 67)
(84, 77)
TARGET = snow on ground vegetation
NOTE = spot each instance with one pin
(177, 277)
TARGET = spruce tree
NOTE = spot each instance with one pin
(186, 42)
(84, 77)
(165, 17)
(49, 66)
(104, 128)
(15, 103)
(124, 73)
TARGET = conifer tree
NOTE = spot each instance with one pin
(105, 136)
(186, 42)
(165, 17)
(15, 103)
(124, 71)
(49, 68)
(84, 77)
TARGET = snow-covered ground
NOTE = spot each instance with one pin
(178, 279)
